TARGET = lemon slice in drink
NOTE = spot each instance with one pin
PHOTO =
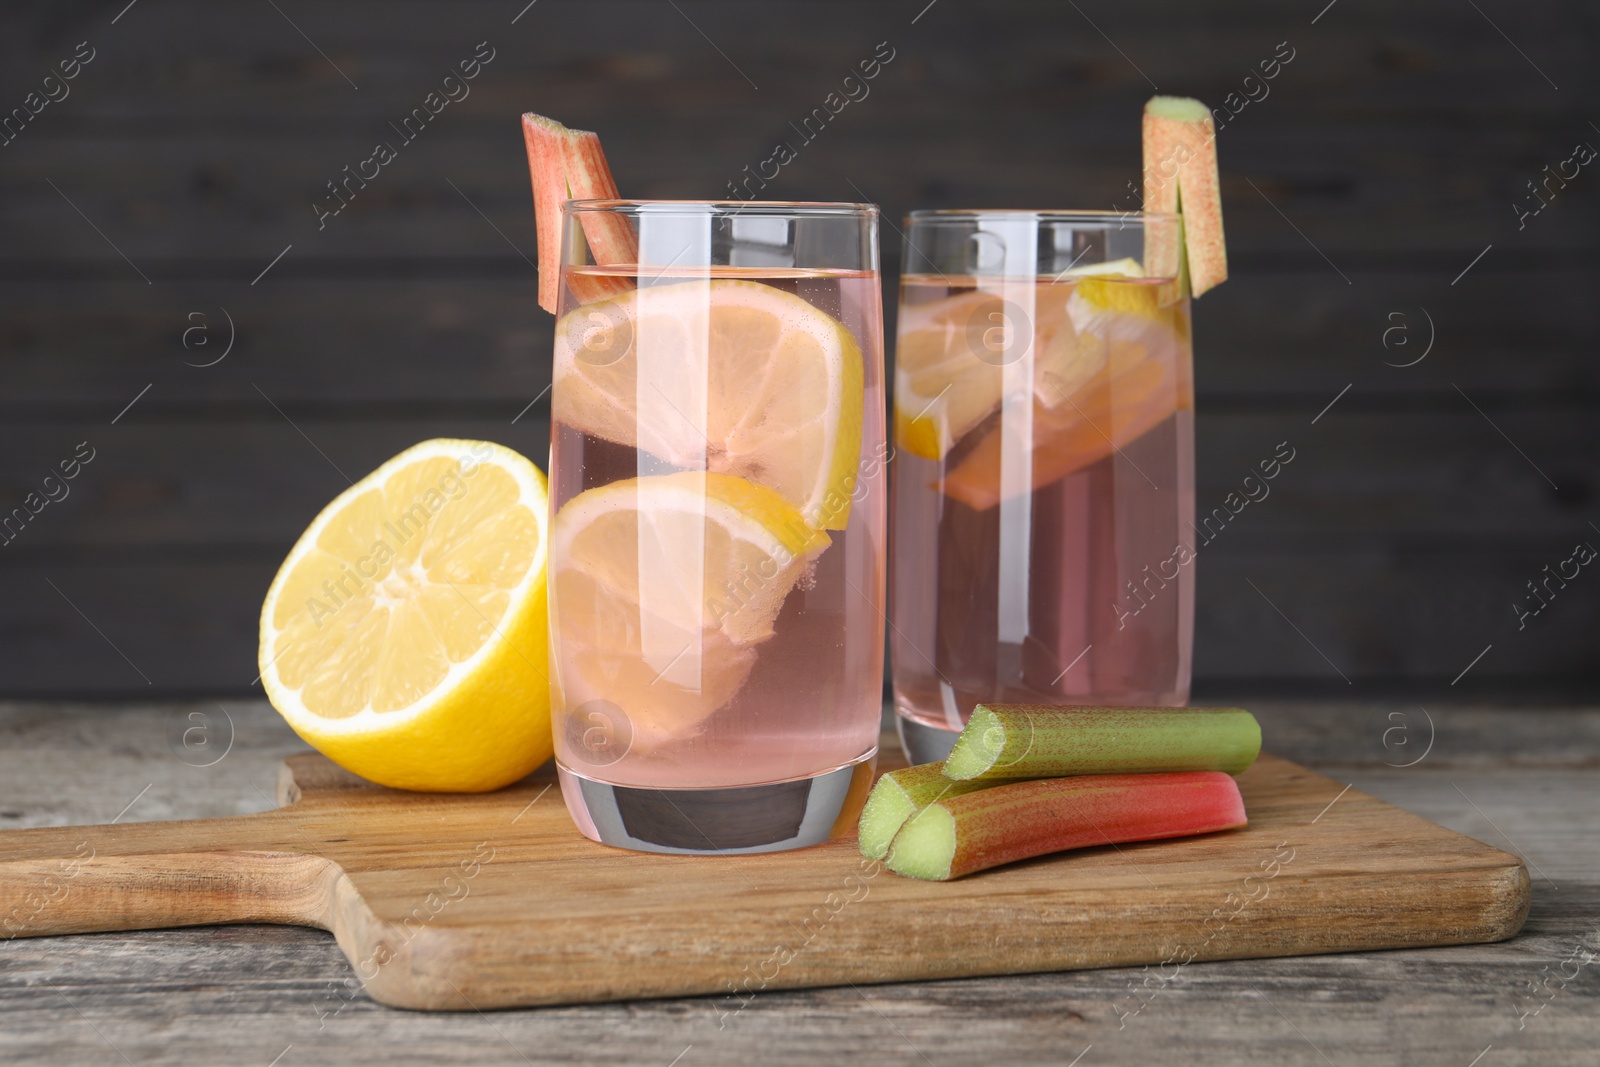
(1124, 309)
(662, 589)
(952, 354)
(1116, 268)
(728, 375)
(946, 382)
(405, 635)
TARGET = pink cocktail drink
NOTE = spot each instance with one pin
(1043, 482)
(719, 503)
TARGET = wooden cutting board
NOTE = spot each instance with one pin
(460, 902)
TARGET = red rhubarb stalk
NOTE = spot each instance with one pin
(547, 168)
(1181, 175)
(564, 165)
(610, 236)
(973, 832)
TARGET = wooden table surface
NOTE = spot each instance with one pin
(1522, 779)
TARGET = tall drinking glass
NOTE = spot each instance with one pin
(718, 511)
(1044, 470)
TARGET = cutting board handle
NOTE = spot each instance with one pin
(141, 876)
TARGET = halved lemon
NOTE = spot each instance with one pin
(727, 375)
(405, 635)
(662, 589)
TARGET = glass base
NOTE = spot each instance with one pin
(923, 743)
(725, 821)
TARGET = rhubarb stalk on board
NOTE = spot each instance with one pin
(1020, 820)
(564, 165)
(1180, 175)
(897, 796)
(1035, 741)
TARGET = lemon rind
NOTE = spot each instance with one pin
(367, 720)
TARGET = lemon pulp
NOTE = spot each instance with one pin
(404, 636)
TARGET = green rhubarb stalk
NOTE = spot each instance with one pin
(897, 796)
(1020, 820)
(1032, 741)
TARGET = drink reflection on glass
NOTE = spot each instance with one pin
(718, 522)
(1044, 469)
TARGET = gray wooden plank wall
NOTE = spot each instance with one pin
(1386, 156)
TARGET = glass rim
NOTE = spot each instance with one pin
(807, 208)
(1047, 215)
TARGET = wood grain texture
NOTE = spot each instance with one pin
(185, 619)
(1386, 157)
(1337, 143)
(1350, 185)
(458, 902)
(177, 487)
(246, 994)
(467, 333)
